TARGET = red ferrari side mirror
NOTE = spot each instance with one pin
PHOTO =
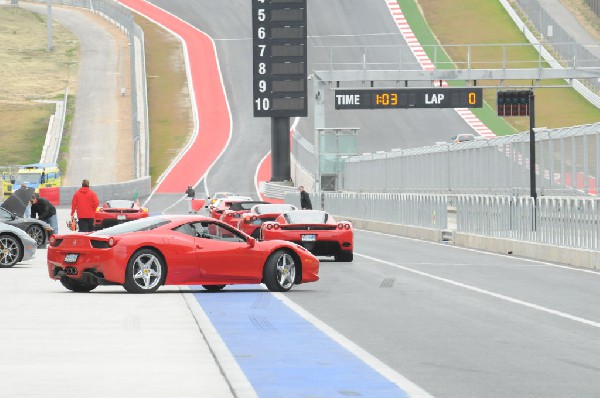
(251, 242)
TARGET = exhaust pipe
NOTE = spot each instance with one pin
(71, 271)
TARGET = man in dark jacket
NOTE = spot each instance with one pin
(304, 199)
(45, 211)
(85, 201)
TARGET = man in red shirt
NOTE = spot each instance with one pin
(85, 201)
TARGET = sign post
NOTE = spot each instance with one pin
(280, 76)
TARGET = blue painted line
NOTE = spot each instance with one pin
(282, 354)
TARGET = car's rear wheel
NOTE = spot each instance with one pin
(146, 272)
(344, 256)
(11, 251)
(76, 286)
(279, 273)
(37, 233)
(213, 288)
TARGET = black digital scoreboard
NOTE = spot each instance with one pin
(447, 97)
(279, 52)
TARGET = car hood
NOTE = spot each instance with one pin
(18, 201)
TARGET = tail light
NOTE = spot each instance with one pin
(275, 226)
(347, 226)
(269, 226)
(111, 242)
(98, 208)
(341, 226)
(144, 209)
(52, 239)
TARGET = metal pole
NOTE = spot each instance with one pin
(49, 23)
(533, 191)
(280, 149)
(532, 159)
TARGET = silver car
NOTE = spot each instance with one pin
(15, 245)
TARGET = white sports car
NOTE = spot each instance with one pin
(15, 245)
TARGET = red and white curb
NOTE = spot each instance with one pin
(427, 65)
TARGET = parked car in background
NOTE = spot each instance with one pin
(212, 200)
(235, 211)
(15, 246)
(221, 205)
(316, 230)
(251, 221)
(463, 138)
(117, 211)
(144, 254)
(36, 229)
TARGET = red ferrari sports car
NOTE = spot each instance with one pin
(316, 230)
(251, 221)
(115, 212)
(144, 254)
(236, 209)
(215, 211)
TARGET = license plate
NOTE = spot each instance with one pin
(71, 258)
(309, 238)
(121, 217)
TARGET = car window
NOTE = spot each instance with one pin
(186, 229)
(212, 230)
(5, 215)
(306, 217)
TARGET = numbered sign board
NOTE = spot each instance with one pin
(451, 97)
(279, 41)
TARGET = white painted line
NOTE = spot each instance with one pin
(412, 389)
(486, 292)
(235, 377)
(587, 271)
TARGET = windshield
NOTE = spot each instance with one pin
(120, 204)
(32, 178)
(273, 209)
(306, 217)
(144, 224)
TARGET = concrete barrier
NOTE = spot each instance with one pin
(128, 190)
(536, 251)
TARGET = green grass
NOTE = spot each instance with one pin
(453, 24)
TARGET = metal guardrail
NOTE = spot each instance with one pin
(567, 163)
(559, 221)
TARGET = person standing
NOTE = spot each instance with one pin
(43, 176)
(190, 194)
(305, 203)
(85, 201)
(42, 209)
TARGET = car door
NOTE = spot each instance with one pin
(180, 249)
(224, 254)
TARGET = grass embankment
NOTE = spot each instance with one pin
(30, 73)
(170, 115)
(453, 25)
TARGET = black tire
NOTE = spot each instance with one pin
(76, 286)
(279, 272)
(38, 234)
(344, 256)
(146, 272)
(213, 288)
(11, 251)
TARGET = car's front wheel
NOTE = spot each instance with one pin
(279, 273)
(11, 251)
(213, 288)
(76, 286)
(146, 272)
(37, 233)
